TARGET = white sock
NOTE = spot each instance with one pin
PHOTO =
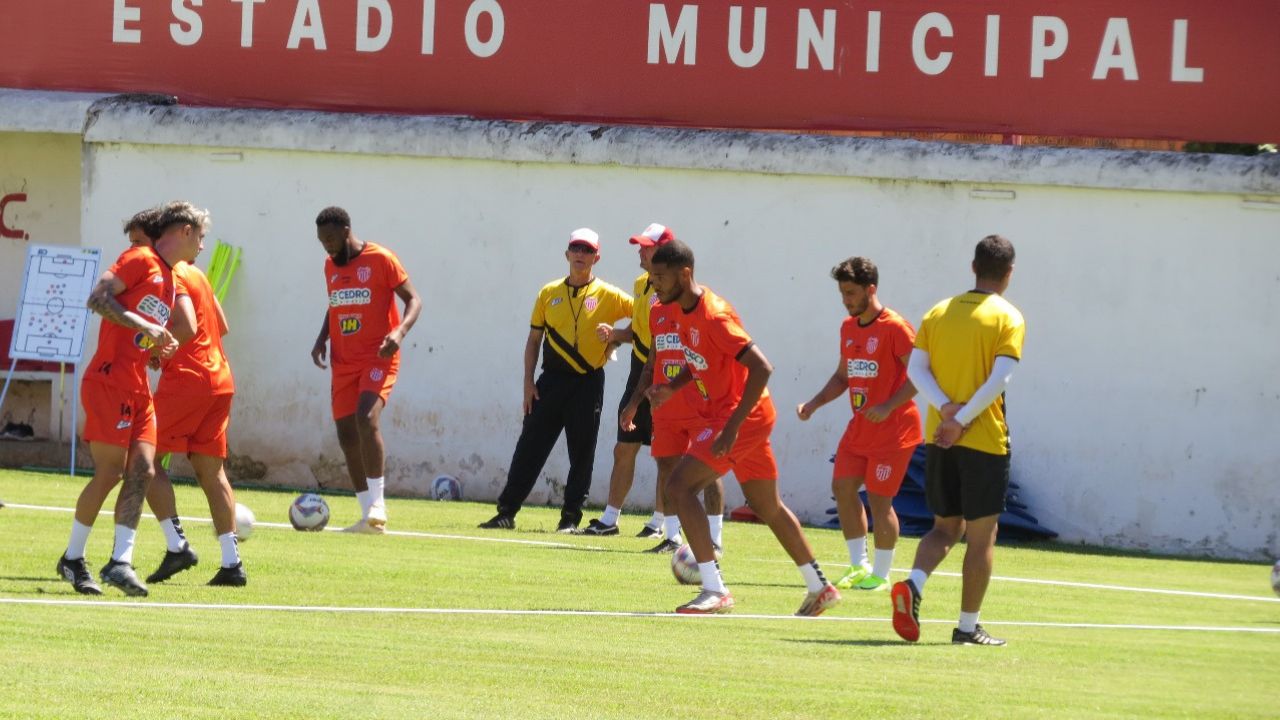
(230, 549)
(655, 520)
(173, 535)
(366, 500)
(717, 529)
(813, 577)
(610, 516)
(711, 579)
(884, 561)
(671, 527)
(918, 578)
(377, 496)
(857, 551)
(79, 538)
(123, 549)
(968, 622)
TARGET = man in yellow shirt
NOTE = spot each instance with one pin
(965, 353)
(568, 395)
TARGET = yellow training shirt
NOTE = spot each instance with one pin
(646, 298)
(963, 336)
(568, 316)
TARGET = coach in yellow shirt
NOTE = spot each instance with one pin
(567, 396)
(965, 353)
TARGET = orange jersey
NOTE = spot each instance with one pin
(121, 357)
(362, 304)
(873, 364)
(200, 366)
(713, 339)
(668, 361)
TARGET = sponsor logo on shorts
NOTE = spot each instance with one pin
(350, 296)
(154, 308)
(667, 341)
(704, 436)
(694, 360)
(872, 343)
(349, 324)
(863, 368)
(124, 424)
(883, 472)
(363, 274)
(375, 374)
(590, 304)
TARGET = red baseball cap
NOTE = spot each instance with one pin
(653, 236)
(585, 236)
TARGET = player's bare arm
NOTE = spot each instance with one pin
(412, 309)
(626, 419)
(662, 393)
(615, 336)
(758, 372)
(102, 300)
(321, 348)
(878, 413)
(223, 327)
(182, 322)
(531, 348)
(835, 387)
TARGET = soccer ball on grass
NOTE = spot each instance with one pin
(309, 512)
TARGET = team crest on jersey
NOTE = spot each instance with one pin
(860, 368)
(349, 324)
(363, 274)
(154, 308)
(872, 343)
(704, 436)
(375, 374)
(883, 472)
(694, 336)
(859, 396)
(694, 360)
(590, 304)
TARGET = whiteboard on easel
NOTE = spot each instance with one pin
(52, 311)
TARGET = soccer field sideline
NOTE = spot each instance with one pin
(539, 543)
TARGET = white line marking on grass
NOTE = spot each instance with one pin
(1067, 583)
(400, 533)
(145, 605)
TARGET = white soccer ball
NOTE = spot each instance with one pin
(244, 522)
(1275, 577)
(685, 566)
(446, 487)
(309, 512)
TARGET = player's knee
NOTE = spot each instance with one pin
(625, 451)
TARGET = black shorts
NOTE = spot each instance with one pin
(964, 481)
(643, 433)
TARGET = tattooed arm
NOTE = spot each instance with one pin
(102, 300)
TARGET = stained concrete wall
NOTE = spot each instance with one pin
(1149, 282)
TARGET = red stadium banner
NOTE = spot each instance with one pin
(1168, 69)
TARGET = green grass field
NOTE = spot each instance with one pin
(465, 623)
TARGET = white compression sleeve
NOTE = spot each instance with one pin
(920, 374)
(1001, 371)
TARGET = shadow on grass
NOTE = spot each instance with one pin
(859, 643)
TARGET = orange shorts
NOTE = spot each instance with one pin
(193, 424)
(751, 457)
(672, 438)
(351, 381)
(117, 417)
(882, 471)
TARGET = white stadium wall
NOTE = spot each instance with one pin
(1142, 413)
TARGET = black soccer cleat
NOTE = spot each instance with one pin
(499, 522)
(76, 573)
(666, 547)
(174, 563)
(567, 527)
(979, 636)
(595, 527)
(649, 532)
(120, 575)
(233, 576)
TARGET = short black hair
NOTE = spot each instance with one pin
(333, 215)
(674, 254)
(148, 221)
(857, 270)
(993, 258)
